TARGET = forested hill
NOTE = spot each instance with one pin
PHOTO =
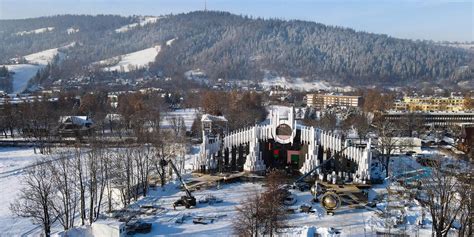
(238, 47)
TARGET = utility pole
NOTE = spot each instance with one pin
(205, 5)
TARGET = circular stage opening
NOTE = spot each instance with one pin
(283, 131)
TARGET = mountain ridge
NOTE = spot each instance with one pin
(240, 47)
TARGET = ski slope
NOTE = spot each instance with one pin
(131, 61)
(37, 31)
(36, 61)
(22, 74)
(143, 21)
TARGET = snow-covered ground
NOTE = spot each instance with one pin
(197, 75)
(143, 21)
(299, 84)
(350, 222)
(24, 72)
(188, 115)
(72, 30)
(12, 162)
(37, 31)
(46, 56)
(126, 62)
(170, 42)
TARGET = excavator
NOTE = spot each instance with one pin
(188, 200)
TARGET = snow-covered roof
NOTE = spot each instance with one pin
(212, 118)
(79, 120)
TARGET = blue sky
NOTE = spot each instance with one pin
(414, 19)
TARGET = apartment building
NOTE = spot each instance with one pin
(322, 101)
(426, 104)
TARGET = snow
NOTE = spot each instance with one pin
(12, 162)
(188, 115)
(143, 21)
(197, 75)
(169, 42)
(72, 30)
(42, 58)
(37, 31)
(138, 59)
(466, 45)
(36, 61)
(299, 84)
(350, 222)
(23, 73)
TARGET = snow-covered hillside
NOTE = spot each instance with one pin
(299, 84)
(24, 72)
(126, 62)
(143, 21)
(37, 31)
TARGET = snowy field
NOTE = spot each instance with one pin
(126, 62)
(143, 21)
(12, 162)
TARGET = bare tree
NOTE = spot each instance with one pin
(66, 199)
(328, 121)
(263, 213)
(411, 124)
(466, 192)
(97, 164)
(274, 212)
(442, 197)
(249, 219)
(143, 157)
(386, 141)
(362, 125)
(35, 199)
(81, 185)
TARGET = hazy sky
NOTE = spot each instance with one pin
(414, 19)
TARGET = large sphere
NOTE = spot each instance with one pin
(330, 201)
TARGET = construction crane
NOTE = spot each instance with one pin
(188, 200)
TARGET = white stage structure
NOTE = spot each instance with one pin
(278, 129)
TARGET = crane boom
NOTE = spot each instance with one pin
(188, 193)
